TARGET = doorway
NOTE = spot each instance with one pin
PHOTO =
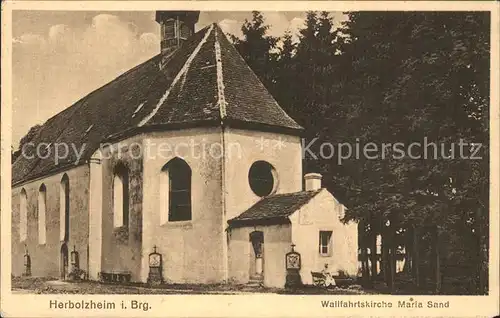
(257, 259)
(64, 261)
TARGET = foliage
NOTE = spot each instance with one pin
(387, 78)
(26, 139)
(77, 274)
(257, 48)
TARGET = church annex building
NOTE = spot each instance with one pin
(212, 219)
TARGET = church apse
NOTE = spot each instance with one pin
(122, 209)
(191, 245)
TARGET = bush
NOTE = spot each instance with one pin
(342, 274)
(77, 274)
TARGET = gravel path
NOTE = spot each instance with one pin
(53, 286)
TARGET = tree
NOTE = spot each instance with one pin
(26, 139)
(436, 90)
(257, 48)
(388, 78)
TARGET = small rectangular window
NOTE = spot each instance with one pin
(169, 29)
(325, 242)
(185, 32)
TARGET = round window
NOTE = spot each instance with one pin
(262, 178)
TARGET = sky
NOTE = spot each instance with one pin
(60, 56)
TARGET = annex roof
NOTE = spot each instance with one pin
(274, 209)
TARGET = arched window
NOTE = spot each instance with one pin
(175, 187)
(64, 208)
(42, 207)
(23, 216)
(120, 196)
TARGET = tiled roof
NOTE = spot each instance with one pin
(275, 208)
(205, 81)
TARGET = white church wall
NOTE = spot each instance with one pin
(283, 152)
(45, 258)
(322, 214)
(192, 250)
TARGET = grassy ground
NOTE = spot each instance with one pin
(42, 285)
(404, 285)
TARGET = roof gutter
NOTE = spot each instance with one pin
(216, 122)
(51, 172)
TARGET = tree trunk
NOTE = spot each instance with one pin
(407, 264)
(482, 259)
(363, 256)
(416, 257)
(436, 264)
(407, 269)
(365, 266)
(374, 254)
(385, 257)
(392, 257)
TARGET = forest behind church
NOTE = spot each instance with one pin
(388, 77)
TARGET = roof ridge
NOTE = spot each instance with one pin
(221, 102)
(292, 193)
(177, 77)
(313, 194)
(259, 82)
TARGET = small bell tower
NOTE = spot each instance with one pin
(176, 27)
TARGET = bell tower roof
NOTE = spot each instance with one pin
(188, 16)
(176, 27)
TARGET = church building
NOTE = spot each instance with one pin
(187, 155)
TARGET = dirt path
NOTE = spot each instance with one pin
(52, 286)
